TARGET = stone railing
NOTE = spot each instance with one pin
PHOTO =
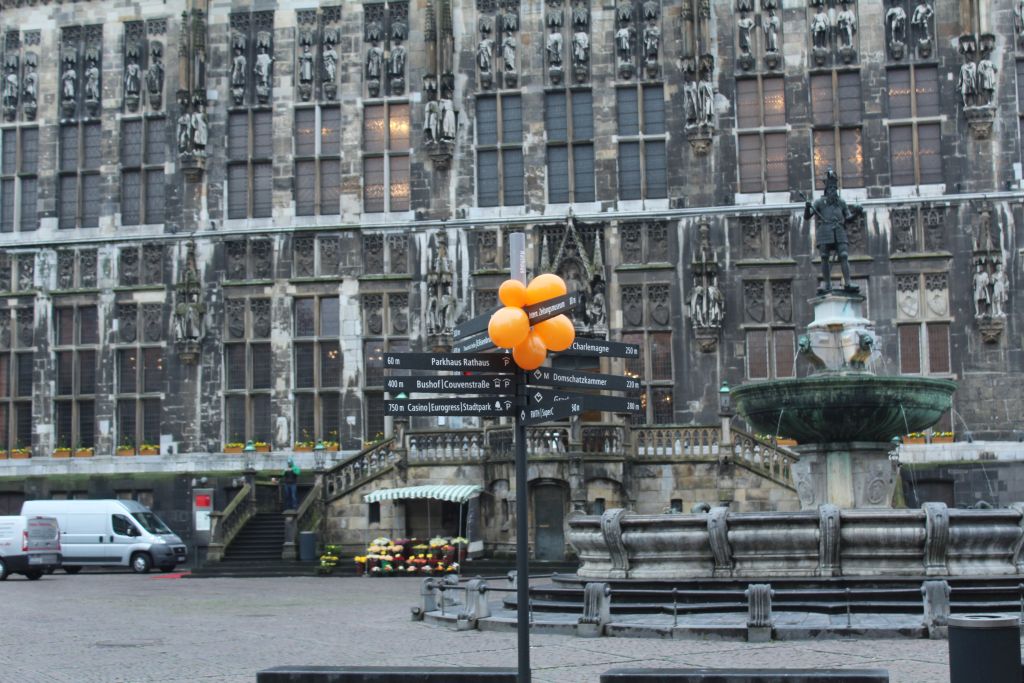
(763, 457)
(444, 446)
(605, 439)
(540, 442)
(226, 524)
(303, 519)
(932, 541)
(361, 468)
(676, 442)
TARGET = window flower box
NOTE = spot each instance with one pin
(149, 449)
(62, 453)
(944, 438)
(262, 447)
(125, 450)
(233, 447)
(304, 446)
(21, 453)
(909, 440)
(782, 441)
(3, 455)
(85, 452)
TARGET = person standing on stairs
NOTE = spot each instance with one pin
(290, 480)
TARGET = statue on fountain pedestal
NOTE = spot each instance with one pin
(832, 214)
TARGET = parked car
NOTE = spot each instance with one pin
(121, 533)
(29, 545)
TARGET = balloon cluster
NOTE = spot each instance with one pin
(509, 327)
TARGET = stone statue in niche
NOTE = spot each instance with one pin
(485, 59)
(30, 86)
(1018, 18)
(846, 26)
(580, 54)
(263, 66)
(11, 87)
(91, 89)
(396, 69)
(1000, 292)
(554, 48)
(896, 20)
(986, 83)
(771, 25)
(652, 40)
(982, 298)
(432, 121)
(692, 102)
(329, 65)
(921, 22)
(706, 96)
(439, 287)
(306, 66)
(189, 310)
(448, 121)
(625, 37)
(508, 59)
(238, 65)
(707, 304)
(744, 26)
(69, 84)
(132, 78)
(820, 29)
(597, 314)
(374, 68)
(967, 82)
(155, 75)
(184, 129)
(200, 131)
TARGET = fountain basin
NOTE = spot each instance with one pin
(844, 406)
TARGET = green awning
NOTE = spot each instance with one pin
(453, 494)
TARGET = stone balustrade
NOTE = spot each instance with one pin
(444, 446)
(935, 541)
(360, 468)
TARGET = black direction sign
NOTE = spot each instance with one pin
(544, 310)
(611, 404)
(478, 343)
(468, 327)
(466, 362)
(554, 377)
(600, 347)
(547, 410)
(441, 384)
(482, 407)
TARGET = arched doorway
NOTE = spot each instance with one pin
(549, 521)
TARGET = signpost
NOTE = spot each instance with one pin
(502, 389)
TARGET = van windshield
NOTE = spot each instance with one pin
(151, 523)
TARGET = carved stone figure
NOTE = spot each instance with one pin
(624, 43)
(554, 47)
(262, 67)
(967, 82)
(921, 21)
(396, 69)
(846, 26)
(820, 28)
(896, 18)
(200, 132)
(447, 120)
(508, 53)
(69, 82)
(11, 88)
(1000, 292)
(692, 101)
(580, 47)
(184, 131)
(155, 76)
(832, 214)
(30, 87)
(986, 83)
(132, 82)
(706, 94)
(771, 25)
(432, 122)
(1018, 17)
(374, 68)
(652, 39)
(485, 54)
(744, 25)
(329, 58)
(238, 64)
(92, 81)
(982, 298)
(306, 71)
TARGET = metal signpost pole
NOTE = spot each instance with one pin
(517, 261)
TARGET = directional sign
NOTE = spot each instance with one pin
(479, 343)
(611, 404)
(441, 384)
(600, 347)
(553, 377)
(482, 407)
(477, 324)
(544, 310)
(546, 411)
(479, 362)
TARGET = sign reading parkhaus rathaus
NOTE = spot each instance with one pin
(216, 218)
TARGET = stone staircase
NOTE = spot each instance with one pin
(256, 551)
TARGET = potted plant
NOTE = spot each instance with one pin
(84, 451)
(149, 449)
(233, 447)
(914, 437)
(3, 454)
(331, 445)
(304, 446)
(62, 451)
(785, 441)
(21, 453)
(942, 437)
(262, 447)
(329, 560)
(126, 448)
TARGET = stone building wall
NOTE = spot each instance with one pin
(638, 262)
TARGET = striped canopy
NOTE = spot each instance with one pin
(453, 494)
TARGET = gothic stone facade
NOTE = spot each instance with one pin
(217, 216)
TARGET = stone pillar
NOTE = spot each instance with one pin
(848, 475)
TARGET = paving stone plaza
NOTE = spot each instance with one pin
(106, 628)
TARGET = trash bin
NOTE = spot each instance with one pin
(307, 546)
(984, 647)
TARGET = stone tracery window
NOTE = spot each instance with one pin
(16, 356)
(646, 322)
(499, 156)
(385, 329)
(248, 370)
(143, 151)
(915, 134)
(640, 111)
(386, 146)
(19, 166)
(76, 342)
(79, 176)
(318, 364)
(762, 134)
(569, 121)
(836, 117)
(140, 374)
(317, 160)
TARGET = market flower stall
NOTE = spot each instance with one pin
(412, 557)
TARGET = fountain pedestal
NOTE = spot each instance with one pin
(854, 474)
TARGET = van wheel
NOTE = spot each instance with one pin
(3, 571)
(71, 570)
(141, 563)
(34, 574)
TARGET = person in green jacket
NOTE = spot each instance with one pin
(290, 479)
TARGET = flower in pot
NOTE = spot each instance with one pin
(149, 449)
(233, 447)
(262, 447)
(84, 451)
(21, 453)
(62, 451)
(126, 448)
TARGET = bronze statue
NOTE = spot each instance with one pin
(832, 214)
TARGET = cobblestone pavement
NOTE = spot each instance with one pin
(122, 627)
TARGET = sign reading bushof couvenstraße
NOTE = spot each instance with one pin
(436, 384)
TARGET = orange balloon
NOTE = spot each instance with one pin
(508, 327)
(512, 293)
(557, 333)
(530, 354)
(544, 287)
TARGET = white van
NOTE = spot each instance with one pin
(29, 546)
(111, 532)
